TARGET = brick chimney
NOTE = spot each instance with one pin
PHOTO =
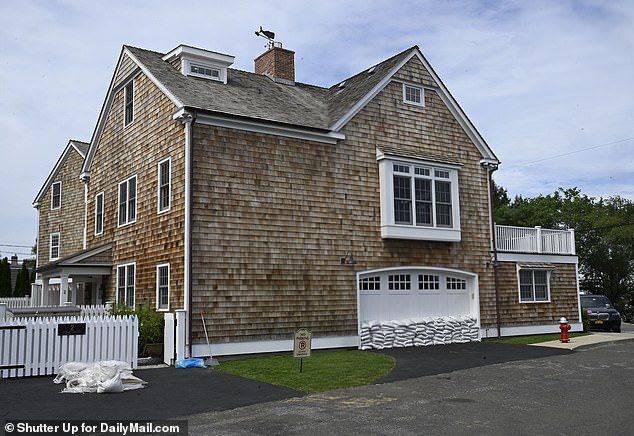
(277, 63)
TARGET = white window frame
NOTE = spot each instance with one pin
(59, 196)
(128, 288)
(58, 246)
(161, 184)
(128, 106)
(204, 74)
(99, 219)
(222, 71)
(416, 88)
(533, 285)
(127, 218)
(158, 287)
(390, 228)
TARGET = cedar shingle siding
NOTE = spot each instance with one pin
(68, 220)
(272, 215)
(136, 150)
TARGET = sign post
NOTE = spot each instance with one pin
(303, 338)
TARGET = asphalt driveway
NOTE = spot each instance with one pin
(173, 393)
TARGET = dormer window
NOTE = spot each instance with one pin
(200, 63)
(200, 70)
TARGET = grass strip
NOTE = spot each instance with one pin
(535, 339)
(322, 371)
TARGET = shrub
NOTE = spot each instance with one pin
(150, 325)
(585, 320)
(150, 322)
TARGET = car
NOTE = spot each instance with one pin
(601, 312)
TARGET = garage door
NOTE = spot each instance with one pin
(436, 304)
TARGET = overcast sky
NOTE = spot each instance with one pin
(549, 84)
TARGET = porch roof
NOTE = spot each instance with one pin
(93, 261)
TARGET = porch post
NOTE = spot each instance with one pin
(36, 295)
(63, 290)
(44, 301)
(539, 238)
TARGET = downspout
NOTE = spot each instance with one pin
(37, 239)
(188, 119)
(85, 182)
(491, 168)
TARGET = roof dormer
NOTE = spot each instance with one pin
(200, 63)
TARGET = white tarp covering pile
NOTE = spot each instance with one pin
(108, 376)
(419, 332)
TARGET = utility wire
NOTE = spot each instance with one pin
(566, 154)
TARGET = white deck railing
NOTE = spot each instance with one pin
(534, 240)
(12, 302)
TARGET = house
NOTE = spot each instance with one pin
(263, 205)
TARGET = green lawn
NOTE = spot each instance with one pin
(322, 371)
(534, 339)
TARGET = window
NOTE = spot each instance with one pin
(413, 95)
(164, 179)
(534, 285)
(399, 282)
(207, 72)
(419, 200)
(456, 284)
(54, 246)
(56, 195)
(428, 282)
(125, 284)
(127, 201)
(163, 287)
(128, 103)
(372, 283)
(99, 214)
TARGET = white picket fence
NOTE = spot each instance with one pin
(38, 346)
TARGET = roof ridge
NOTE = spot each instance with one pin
(383, 62)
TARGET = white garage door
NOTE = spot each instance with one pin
(416, 292)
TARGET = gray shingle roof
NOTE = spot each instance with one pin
(257, 97)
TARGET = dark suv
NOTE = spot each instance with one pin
(601, 313)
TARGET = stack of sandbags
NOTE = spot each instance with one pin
(418, 332)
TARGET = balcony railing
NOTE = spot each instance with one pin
(534, 240)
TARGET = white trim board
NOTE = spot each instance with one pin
(537, 258)
(253, 347)
(527, 330)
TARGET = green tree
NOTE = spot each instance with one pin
(5, 278)
(23, 282)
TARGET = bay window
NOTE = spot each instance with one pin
(419, 199)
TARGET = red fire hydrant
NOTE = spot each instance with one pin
(564, 327)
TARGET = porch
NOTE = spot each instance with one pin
(534, 240)
(79, 279)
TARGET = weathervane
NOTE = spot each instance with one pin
(269, 36)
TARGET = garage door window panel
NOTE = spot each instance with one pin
(399, 282)
(370, 284)
(429, 282)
